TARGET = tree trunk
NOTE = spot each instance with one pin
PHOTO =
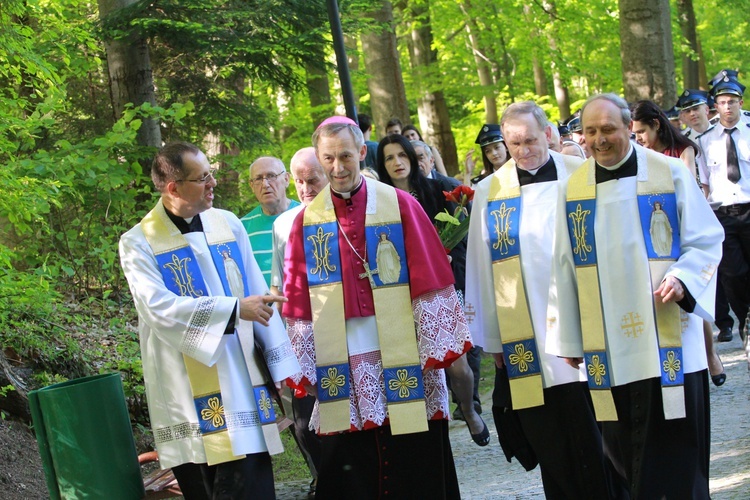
(318, 90)
(484, 67)
(386, 86)
(561, 95)
(690, 71)
(434, 120)
(540, 78)
(646, 51)
(130, 77)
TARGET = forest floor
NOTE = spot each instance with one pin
(483, 472)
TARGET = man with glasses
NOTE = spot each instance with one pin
(201, 303)
(269, 180)
(724, 169)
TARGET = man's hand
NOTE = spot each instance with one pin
(574, 362)
(258, 307)
(670, 290)
(499, 360)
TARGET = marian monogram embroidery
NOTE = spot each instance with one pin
(580, 232)
(502, 228)
(182, 277)
(322, 254)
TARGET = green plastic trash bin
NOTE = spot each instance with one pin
(85, 440)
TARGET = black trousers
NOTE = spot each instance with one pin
(734, 270)
(654, 457)
(249, 478)
(307, 440)
(374, 464)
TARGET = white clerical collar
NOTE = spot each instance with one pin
(348, 194)
(619, 163)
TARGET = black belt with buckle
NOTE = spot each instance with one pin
(738, 209)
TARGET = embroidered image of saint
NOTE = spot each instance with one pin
(388, 261)
(234, 275)
(660, 231)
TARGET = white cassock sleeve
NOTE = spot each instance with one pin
(481, 313)
(701, 236)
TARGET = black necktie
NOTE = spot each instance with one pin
(733, 163)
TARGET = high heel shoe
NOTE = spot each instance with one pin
(719, 379)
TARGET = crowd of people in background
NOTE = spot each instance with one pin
(588, 272)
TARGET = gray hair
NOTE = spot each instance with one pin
(555, 131)
(305, 156)
(525, 108)
(332, 129)
(614, 99)
(424, 146)
(275, 160)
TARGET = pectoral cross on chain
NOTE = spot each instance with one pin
(368, 273)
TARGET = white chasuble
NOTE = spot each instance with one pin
(624, 277)
(538, 207)
(171, 326)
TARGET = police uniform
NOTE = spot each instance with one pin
(691, 98)
(730, 196)
(490, 134)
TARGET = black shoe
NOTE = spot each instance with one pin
(458, 414)
(478, 407)
(725, 335)
(719, 379)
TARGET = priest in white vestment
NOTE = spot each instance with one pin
(640, 311)
(558, 421)
(207, 385)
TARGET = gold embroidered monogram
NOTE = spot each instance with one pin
(502, 227)
(580, 232)
(182, 277)
(322, 254)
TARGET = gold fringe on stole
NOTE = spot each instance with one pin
(513, 317)
(668, 322)
(582, 186)
(204, 380)
(395, 320)
(329, 325)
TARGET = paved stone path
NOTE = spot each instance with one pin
(485, 474)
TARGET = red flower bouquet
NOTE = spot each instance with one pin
(452, 228)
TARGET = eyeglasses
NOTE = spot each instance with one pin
(202, 180)
(258, 181)
(729, 102)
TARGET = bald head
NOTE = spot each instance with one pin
(309, 176)
(269, 180)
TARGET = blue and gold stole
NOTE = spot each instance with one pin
(388, 274)
(657, 206)
(182, 276)
(520, 349)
